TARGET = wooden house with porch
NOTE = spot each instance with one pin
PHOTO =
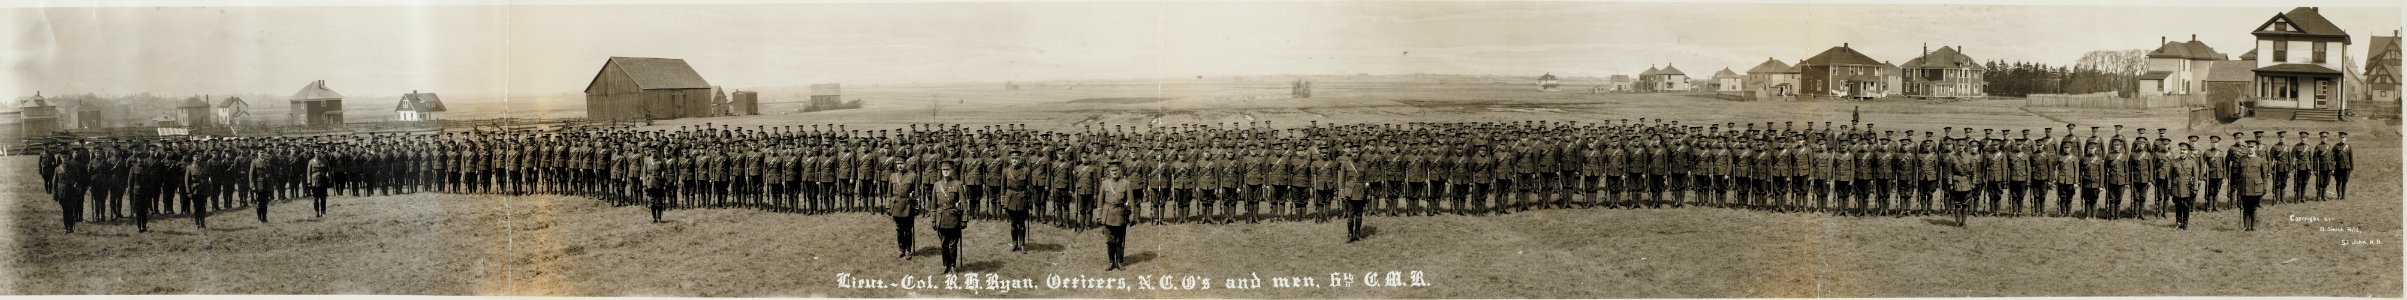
(2382, 68)
(1945, 73)
(2299, 58)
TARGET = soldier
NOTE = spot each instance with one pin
(1183, 176)
(1927, 165)
(2301, 168)
(2184, 180)
(2321, 171)
(2344, 159)
(944, 193)
(196, 182)
(2067, 174)
(2277, 163)
(2253, 182)
(1114, 213)
(2094, 179)
(67, 186)
(1015, 198)
(1965, 164)
(260, 193)
(1349, 189)
(653, 183)
(1843, 176)
(2018, 173)
(901, 206)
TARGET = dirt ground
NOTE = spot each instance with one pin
(430, 244)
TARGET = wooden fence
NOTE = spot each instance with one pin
(2108, 100)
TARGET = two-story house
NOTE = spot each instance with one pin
(1727, 81)
(1840, 72)
(1944, 73)
(2382, 68)
(2178, 68)
(1772, 78)
(2299, 57)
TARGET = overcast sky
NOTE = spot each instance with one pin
(477, 50)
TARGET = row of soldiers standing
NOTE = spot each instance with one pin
(106, 181)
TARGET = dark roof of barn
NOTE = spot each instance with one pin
(1548, 76)
(660, 73)
(1840, 56)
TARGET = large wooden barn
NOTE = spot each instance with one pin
(638, 88)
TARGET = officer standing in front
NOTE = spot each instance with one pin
(944, 194)
(1113, 213)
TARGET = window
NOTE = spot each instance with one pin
(2281, 26)
(2281, 51)
(2319, 52)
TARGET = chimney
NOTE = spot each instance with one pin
(1926, 49)
(1844, 45)
(2193, 37)
(2160, 40)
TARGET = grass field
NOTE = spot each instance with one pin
(553, 245)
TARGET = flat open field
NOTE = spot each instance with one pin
(552, 245)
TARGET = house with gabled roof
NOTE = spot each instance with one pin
(2177, 68)
(2382, 68)
(197, 112)
(1772, 77)
(415, 106)
(642, 88)
(2299, 58)
(1548, 82)
(316, 105)
(231, 111)
(1621, 83)
(1841, 72)
(1667, 79)
(1727, 81)
(37, 116)
(1944, 73)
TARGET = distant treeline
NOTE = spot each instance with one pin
(2098, 71)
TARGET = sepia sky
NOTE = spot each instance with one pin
(469, 51)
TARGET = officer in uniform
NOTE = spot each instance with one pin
(1350, 189)
(1965, 163)
(2184, 180)
(2254, 182)
(1114, 213)
(944, 194)
(2344, 159)
(196, 182)
(655, 187)
(900, 206)
(259, 174)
